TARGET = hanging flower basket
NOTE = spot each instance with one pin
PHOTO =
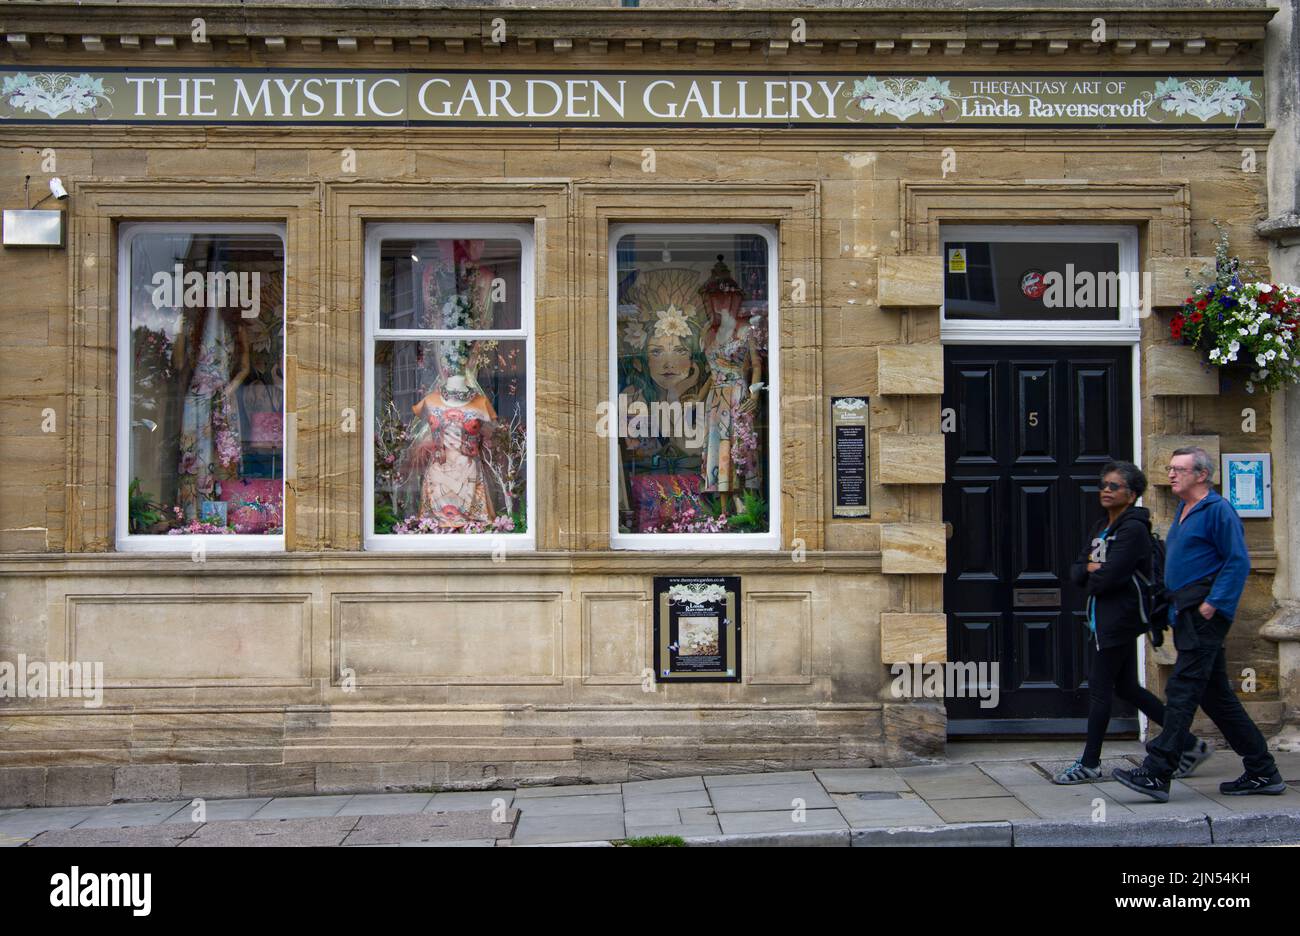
(1242, 325)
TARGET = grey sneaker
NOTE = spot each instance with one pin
(1078, 773)
(1193, 758)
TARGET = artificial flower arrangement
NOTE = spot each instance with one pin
(1241, 322)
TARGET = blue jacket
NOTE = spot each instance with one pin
(1209, 542)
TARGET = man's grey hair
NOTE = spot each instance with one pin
(1201, 460)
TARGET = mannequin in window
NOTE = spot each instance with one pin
(447, 449)
(213, 351)
(731, 348)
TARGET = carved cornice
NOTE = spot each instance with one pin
(955, 37)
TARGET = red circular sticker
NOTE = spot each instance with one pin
(1032, 284)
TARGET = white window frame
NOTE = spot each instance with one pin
(771, 540)
(127, 541)
(1125, 329)
(448, 542)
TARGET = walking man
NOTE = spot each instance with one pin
(1206, 565)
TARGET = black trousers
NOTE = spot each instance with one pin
(1115, 673)
(1200, 677)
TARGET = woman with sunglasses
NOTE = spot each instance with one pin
(1117, 547)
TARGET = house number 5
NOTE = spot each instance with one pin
(1033, 418)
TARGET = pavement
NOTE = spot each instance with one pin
(981, 794)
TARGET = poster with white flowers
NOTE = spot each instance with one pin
(697, 629)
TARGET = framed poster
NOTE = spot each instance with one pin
(697, 629)
(850, 422)
(1248, 483)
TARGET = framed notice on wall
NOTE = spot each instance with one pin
(850, 423)
(697, 629)
(1248, 484)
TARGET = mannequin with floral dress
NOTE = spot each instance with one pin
(731, 348)
(214, 349)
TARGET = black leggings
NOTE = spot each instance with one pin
(1114, 673)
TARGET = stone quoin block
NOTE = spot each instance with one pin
(910, 282)
(904, 635)
(1179, 370)
(910, 458)
(910, 370)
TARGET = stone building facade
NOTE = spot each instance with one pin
(329, 662)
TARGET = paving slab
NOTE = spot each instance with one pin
(776, 796)
(949, 782)
(668, 785)
(471, 799)
(964, 835)
(685, 800)
(134, 814)
(460, 825)
(255, 833)
(541, 830)
(386, 804)
(877, 812)
(303, 807)
(1259, 803)
(147, 836)
(1012, 773)
(1066, 802)
(861, 780)
(760, 779)
(982, 809)
(571, 789)
(1288, 764)
(1183, 801)
(31, 821)
(780, 821)
(683, 822)
(220, 810)
(600, 805)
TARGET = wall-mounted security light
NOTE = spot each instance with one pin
(33, 227)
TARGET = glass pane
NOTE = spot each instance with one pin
(692, 409)
(452, 284)
(207, 384)
(451, 436)
(1007, 280)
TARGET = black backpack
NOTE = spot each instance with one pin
(1154, 603)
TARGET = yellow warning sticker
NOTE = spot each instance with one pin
(957, 260)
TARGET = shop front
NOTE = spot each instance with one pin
(591, 397)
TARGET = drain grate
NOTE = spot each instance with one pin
(877, 795)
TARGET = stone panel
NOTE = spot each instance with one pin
(1178, 370)
(910, 281)
(907, 370)
(902, 636)
(779, 637)
(1170, 284)
(423, 638)
(192, 639)
(910, 458)
(614, 628)
(913, 549)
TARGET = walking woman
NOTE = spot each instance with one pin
(1117, 547)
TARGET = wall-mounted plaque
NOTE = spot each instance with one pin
(697, 629)
(1248, 483)
(850, 422)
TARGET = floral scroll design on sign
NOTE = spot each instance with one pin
(1204, 98)
(901, 97)
(56, 94)
(850, 405)
(698, 593)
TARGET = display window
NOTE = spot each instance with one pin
(449, 378)
(691, 411)
(201, 441)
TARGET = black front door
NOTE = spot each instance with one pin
(1028, 430)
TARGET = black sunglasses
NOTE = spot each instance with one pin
(1112, 486)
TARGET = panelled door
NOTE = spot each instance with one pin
(1033, 427)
